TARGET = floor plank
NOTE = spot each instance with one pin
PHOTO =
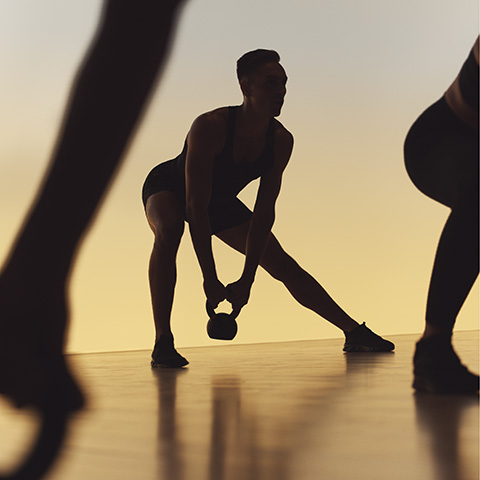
(283, 411)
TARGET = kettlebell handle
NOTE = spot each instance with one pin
(211, 311)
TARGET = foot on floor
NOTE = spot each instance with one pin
(437, 368)
(362, 339)
(164, 354)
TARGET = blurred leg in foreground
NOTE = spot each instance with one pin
(106, 103)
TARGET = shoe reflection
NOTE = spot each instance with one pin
(227, 425)
(240, 425)
(440, 420)
(170, 445)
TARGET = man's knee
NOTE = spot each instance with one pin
(168, 235)
(165, 217)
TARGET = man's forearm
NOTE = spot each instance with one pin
(202, 242)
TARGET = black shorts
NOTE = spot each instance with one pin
(223, 213)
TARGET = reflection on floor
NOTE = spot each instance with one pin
(284, 411)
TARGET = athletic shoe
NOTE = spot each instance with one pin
(362, 339)
(164, 354)
(437, 368)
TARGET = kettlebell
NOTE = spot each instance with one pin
(221, 326)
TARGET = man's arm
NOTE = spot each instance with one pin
(262, 220)
(205, 140)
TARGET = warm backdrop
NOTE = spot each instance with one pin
(359, 75)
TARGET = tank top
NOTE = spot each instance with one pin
(462, 95)
(468, 79)
(228, 177)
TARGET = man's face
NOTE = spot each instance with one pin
(266, 88)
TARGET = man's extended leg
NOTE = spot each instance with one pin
(306, 290)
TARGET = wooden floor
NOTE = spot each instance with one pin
(284, 411)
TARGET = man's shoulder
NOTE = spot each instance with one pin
(209, 128)
(216, 118)
(283, 136)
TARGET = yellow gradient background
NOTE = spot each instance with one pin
(359, 75)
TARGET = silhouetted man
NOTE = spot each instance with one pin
(225, 150)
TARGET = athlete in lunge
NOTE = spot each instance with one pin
(441, 156)
(225, 150)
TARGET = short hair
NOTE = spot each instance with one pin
(250, 61)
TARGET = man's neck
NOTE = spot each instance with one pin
(251, 121)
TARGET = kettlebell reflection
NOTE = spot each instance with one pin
(237, 449)
(227, 426)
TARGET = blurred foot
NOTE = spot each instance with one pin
(33, 369)
(362, 339)
(164, 354)
(437, 368)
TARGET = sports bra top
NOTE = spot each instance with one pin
(462, 95)
(469, 81)
(228, 177)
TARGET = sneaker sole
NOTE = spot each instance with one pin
(362, 348)
(154, 364)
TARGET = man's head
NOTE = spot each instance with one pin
(262, 80)
(251, 61)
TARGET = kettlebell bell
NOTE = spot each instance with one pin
(221, 326)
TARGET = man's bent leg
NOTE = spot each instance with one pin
(165, 217)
